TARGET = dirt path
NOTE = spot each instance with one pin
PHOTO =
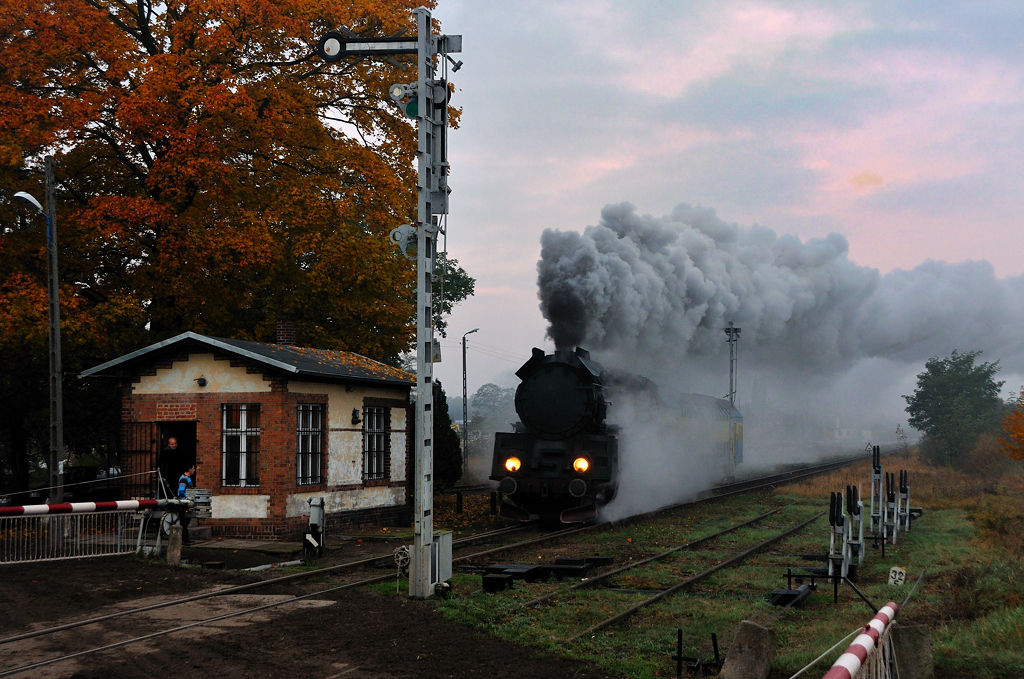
(351, 634)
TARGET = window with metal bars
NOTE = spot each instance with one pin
(240, 444)
(308, 456)
(376, 442)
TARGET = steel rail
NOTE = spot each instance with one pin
(230, 590)
(489, 534)
(469, 490)
(133, 640)
(694, 579)
(782, 478)
(766, 482)
(544, 538)
(590, 582)
(747, 486)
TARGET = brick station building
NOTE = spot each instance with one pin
(268, 426)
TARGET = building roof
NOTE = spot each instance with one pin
(699, 405)
(292, 360)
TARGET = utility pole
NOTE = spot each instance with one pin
(733, 340)
(56, 491)
(733, 334)
(426, 100)
(465, 407)
(56, 381)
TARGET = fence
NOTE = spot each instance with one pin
(50, 537)
(882, 663)
(870, 655)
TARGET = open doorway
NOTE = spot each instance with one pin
(177, 452)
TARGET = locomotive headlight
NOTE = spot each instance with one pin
(580, 464)
(513, 464)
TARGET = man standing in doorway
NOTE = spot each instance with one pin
(168, 462)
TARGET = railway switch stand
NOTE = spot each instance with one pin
(313, 542)
(791, 597)
(876, 490)
(857, 532)
(904, 514)
(892, 507)
(838, 550)
(855, 525)
(695, 667)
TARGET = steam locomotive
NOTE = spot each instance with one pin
(562, 461)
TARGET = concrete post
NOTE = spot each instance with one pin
(174, 547)
(751, 653)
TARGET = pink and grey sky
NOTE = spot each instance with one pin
(899, 127)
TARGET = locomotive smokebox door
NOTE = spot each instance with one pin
(560, 395)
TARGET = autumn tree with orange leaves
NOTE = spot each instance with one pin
(212, 173)
(1012, 441)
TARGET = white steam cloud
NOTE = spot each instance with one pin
(827, 349)
(667, 286)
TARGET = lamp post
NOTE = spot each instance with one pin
(465, 407)
(53, 297)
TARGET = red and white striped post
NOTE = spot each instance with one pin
(849, 663)
(87, 507)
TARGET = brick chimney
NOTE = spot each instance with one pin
(287, 329)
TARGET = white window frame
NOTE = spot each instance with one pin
(309, 444)
(246, 437)
(376, 442)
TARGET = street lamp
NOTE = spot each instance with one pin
(53, 296)
(465, 407)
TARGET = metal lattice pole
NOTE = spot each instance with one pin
(432, 187)
(427, 101)
(423, 523)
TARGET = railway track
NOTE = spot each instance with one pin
(237, 589)
(694, 579)
(598, 579)
(717, 493)
(727, 490)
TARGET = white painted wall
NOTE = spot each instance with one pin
(345, 440)
(346, 500)
(344, 458)
(398, 439)
(240, 506)
(220, 376)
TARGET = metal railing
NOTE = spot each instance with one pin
(68, 536)
(881, 663)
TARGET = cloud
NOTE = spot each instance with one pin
(867, 180)
(770, 109)
(664, 287)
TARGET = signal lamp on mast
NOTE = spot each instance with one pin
(406, 98)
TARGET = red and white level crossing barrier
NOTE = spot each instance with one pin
(850, 662)
(85, 507)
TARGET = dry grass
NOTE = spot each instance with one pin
(991, 494)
